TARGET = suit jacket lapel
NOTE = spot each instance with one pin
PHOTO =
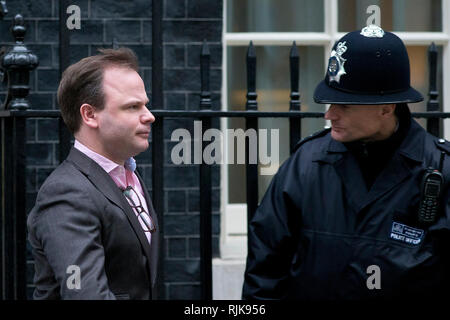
(106, 185)
(95, 174)
(155, 235)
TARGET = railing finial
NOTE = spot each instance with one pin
(18, 63)
(294, 66)
(205, 95)
(252, 104)
(295, 124)
(433, 103)
(18, 29)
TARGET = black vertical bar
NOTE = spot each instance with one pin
(115, 43)
(205, 183)
(8, 249)
(20, 216)
(205, 95)
(433, 104)
(64, 61)
(3, 12)
(2, 211)
(158, 135)
(14, 167)
(294, 123)
(13, 209)
(251, 123)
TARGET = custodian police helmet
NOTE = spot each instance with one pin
(370, 66)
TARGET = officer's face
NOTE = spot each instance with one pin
(361, 122)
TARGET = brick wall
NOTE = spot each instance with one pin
(186, 23)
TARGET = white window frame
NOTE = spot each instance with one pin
(233, 235)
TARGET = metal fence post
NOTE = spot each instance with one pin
(3, 12)
(433, 103)
(252, 124)
(18, 63)
(158, 135)
(295, 125)
(205, 182)
(64, 61)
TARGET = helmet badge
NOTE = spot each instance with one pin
(336, 62)
(372, 31)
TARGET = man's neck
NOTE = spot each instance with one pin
(97, 149)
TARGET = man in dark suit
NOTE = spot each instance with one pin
(93, 229)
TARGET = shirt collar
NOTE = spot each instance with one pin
(105, 163)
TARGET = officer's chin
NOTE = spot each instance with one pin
(339, 135)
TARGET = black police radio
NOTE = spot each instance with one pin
(431, 189)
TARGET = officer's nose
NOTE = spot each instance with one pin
(332, 113)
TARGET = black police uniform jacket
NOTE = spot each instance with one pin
(319, 234)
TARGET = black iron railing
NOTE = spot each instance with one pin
(158, 132)
(16, 65)
(17, 110)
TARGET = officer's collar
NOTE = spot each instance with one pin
(412, 146)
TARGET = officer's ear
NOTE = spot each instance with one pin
(388, 109)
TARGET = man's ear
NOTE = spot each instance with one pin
(388, 109)
(89, 115)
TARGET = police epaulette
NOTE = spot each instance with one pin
(443, 145)
(312, 136)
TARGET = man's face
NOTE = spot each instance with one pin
(124, 123)
(356, 122)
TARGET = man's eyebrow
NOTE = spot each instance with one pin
(131, 102)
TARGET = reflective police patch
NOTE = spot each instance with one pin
(406, 234)
(372, 31)
(336, 62)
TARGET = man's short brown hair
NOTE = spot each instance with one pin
(82, 83)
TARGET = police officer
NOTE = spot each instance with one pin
(341, 218)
